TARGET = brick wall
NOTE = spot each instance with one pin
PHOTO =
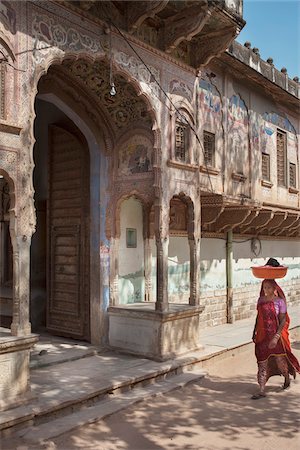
(244, 302)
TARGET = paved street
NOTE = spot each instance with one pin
(213, 413)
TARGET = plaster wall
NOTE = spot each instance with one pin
(179, 269)
(246, 287)
(131, 260)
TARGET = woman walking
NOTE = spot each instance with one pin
(271, 338)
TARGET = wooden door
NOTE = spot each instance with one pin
(68, 311)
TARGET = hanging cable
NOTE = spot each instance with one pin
(152, 76)
(111, 77)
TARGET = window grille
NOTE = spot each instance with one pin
(265, 167)
(181, 144)
(281, 158)
(209, 148)
(292, 176)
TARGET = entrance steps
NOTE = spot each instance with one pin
(113, 402)
(70, 393)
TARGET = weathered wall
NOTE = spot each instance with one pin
(246, 287)
(131, 260)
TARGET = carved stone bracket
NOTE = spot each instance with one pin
(210, 215)
(259, 222)
(184, 25)
(290, 221)
(231, 218)
(137, 12)
(277, 220)
(211, 45)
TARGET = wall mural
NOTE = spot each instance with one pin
(209, 97)
(279, 121)
(135, 156)
(238, 121)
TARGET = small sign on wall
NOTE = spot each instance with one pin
(131, 239)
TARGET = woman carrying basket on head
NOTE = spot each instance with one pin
(271, 337)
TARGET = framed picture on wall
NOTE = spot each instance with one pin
(131, 240)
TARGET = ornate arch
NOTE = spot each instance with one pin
(114, 210)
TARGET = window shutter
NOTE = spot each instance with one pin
(292, 175)
(209, 148)
(181, 141)
(265, 167)
(281, 158)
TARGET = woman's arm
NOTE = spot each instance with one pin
(275, 339)
(254, 330)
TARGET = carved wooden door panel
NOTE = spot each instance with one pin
(68, 236)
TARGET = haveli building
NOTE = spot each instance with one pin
(147, 160)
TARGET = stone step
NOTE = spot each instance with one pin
(87, 415)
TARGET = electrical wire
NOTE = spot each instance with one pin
(166, 95)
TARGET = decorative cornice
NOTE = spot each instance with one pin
(209, 170)
(266, 184)
(182, 165)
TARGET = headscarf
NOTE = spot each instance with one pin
(276, 286)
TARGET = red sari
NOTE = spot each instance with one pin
(266, 328)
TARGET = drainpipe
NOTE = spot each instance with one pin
(229, 260)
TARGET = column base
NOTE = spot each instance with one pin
(14, 363)
(141, 330)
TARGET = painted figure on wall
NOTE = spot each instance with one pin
(135, 156)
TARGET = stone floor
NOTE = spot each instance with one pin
(67, 374)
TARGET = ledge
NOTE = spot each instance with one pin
(182, 165)
(238, 177)
(266, 183)
(293, 190)
(146, 310)
(209, 170)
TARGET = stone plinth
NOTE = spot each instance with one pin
(14, 368)
(140, 330)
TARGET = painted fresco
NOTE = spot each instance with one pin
(135, 156)
(238, 122)
(279, 121)
(210, 105)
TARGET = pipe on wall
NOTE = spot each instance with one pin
(229, 277)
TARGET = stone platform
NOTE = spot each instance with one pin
(67, 394)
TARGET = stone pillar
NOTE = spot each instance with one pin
(148, 269)
(114, 271)
(194, 244)
(229, 264)
(194, 236)
(21, 325)
(162, 246)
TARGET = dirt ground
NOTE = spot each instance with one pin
(214, 413)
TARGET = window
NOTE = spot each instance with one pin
(209, 148)
(292, 176)
(181, 141)
(131, 240)
(265, 167)
(281, 158)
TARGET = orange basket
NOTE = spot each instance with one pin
(269, 272)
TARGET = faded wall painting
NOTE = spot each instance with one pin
(210, 105)
(135, 156)
(238, 122)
